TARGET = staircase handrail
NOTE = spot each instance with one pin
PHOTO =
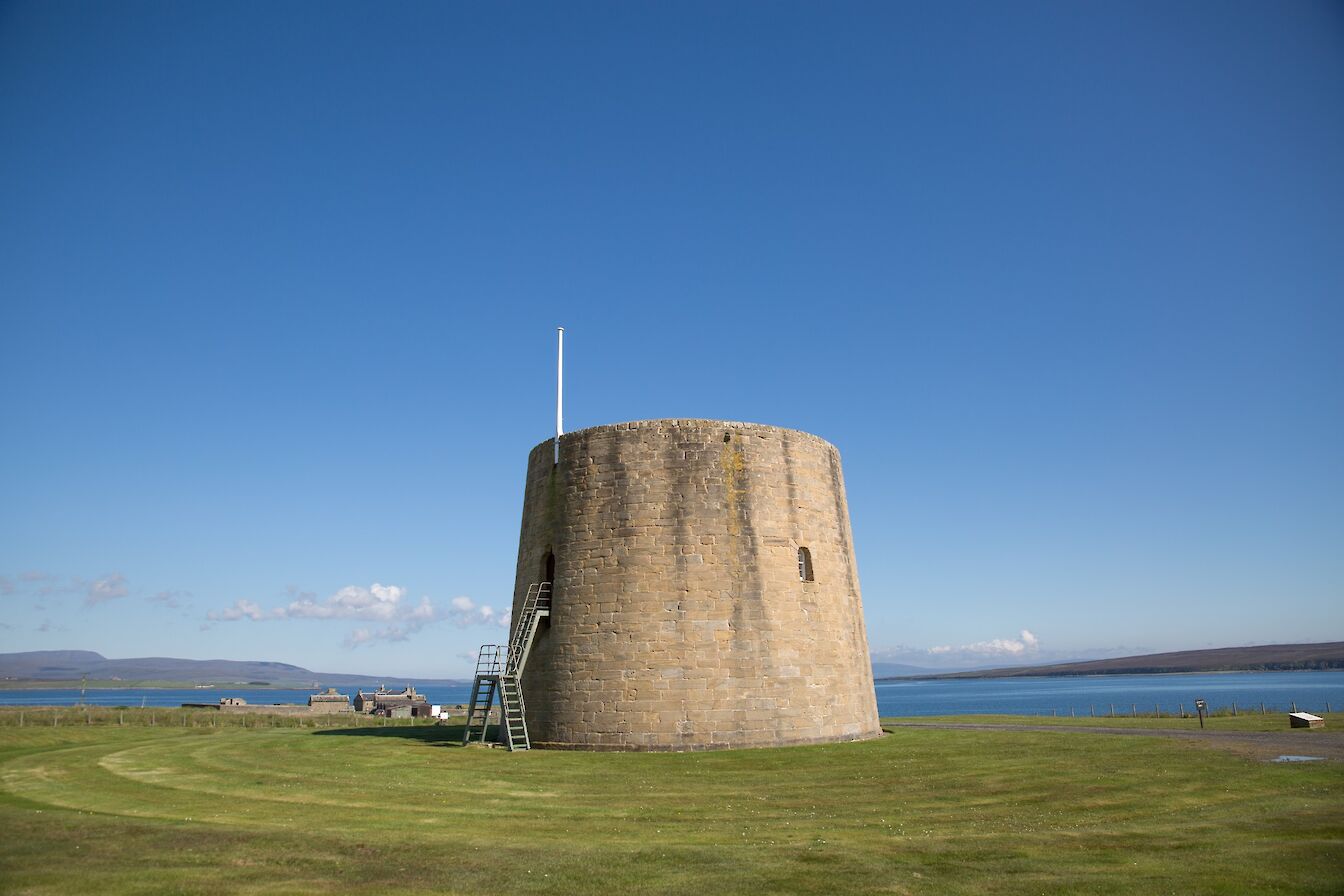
(537, 600)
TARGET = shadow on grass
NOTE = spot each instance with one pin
(435, 735)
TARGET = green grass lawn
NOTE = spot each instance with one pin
(107, 808)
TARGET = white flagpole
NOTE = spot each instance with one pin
(559, 389)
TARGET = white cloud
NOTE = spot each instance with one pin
(109, 587)
(170, 599)
(999, 647)
(243, 609)
(399, 616)
(463, 611)
(1024, 649)
(387, 633)
(375, 603)
(44, 584)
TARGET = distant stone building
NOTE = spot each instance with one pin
(329, 702)
(383, 701)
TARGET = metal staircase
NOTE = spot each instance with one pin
(482, 693)
(513, 722)
(508, 681)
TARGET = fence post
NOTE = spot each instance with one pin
(1294, 706)
(1157, 710)
(1134, 710)
(1112, 710)
(1093, 710)
(1234, 708)
(1182, 710)
(1262, 707)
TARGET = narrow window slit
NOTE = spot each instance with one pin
(805, 565)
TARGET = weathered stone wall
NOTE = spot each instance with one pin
(679, 620)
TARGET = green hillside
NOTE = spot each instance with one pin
(1264, 658)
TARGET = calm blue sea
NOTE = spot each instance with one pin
(1032, 696)
(1311, 691)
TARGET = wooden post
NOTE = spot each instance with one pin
(1262, 708)
(1157, 710)
(1112, 710)
(1134, 710)
(1234, 708)
(1093, 709)
(1294, 706)
(1182, 710)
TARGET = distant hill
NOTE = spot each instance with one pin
(72, 665)
(1265, 658)
(898, 670)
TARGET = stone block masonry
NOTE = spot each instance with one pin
(705, 590)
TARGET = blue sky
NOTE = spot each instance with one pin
(279, 282)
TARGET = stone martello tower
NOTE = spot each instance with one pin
(705, 592)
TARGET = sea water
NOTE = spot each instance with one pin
(1122, 694)
(1080, 696)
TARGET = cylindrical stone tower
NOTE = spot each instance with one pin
(705, 590)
